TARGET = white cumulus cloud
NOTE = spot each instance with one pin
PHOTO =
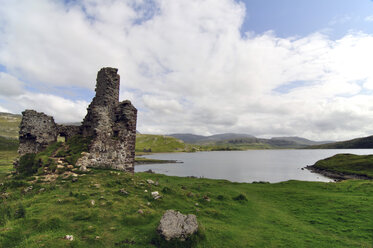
(187, 67)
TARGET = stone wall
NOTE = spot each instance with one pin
(68, 131)
(37, 131)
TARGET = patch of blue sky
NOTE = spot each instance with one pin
(290, 18)
(364, 91)
(73, 93)
(146, 10)
(3, 68)
(288, 87)
(69, 3)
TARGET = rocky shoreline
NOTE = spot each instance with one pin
(337, 176)
(156, 161)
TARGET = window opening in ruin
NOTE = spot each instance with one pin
(61, 138)
(115, 133)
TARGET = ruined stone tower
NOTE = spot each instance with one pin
(110, 124)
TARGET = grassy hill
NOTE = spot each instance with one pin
(230, 214)
(9, 125)
(359, 143)
(349, 164)
(160, 143)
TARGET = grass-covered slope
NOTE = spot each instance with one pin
(359, 143)
(160, 143)
(8, 144)
(348, 164)
(289, 214)
(9, 125)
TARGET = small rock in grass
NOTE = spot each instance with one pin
(190, 194)
(5, 195)
(206, 198)
(93, 202)
(149, 181)
(41, 190)
(196, 204)
(69, 237)
(148, 203)
(140, 211)
(146, 191)
(97, 237)
(123, 191)
(156, 195)
(27, 189)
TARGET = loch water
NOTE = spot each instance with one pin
(246, 166)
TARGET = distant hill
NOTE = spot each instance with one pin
(359, 143)
(301, 141)
(245, 141)
(200, 139)
(188, 137)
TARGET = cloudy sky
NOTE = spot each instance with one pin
(262, 67)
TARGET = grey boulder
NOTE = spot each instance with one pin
(175, 225)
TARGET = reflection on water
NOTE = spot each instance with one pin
(246, 166)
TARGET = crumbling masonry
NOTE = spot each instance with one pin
(110, 124)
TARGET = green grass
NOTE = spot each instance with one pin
(6, 162)
(8, 144)
(160, 143)
(73, 148)
(348, 163)
(288, 214)
(9, 125)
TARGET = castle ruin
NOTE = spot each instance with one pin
(109, 123)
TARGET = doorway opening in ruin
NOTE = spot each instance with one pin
(61, 138)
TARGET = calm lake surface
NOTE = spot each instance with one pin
(246, 166)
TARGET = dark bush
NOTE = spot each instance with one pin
(20, 211)
(240, 197)
(26, 164)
